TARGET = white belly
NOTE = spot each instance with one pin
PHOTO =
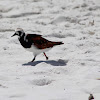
(37, 51)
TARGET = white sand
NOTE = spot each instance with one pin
(73, 69)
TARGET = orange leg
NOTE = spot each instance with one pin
(45, 55)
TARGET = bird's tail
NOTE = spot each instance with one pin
(58, 43)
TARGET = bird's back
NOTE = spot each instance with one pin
(41, 42)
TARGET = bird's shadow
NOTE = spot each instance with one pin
(59, 62)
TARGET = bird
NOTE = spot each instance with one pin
(34, 43)
(91, 97)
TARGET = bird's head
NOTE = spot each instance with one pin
(19, 32)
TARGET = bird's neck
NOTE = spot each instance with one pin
(24, 42)
(21, 37)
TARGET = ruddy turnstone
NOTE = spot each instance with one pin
(34, 43)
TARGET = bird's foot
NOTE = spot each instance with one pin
(47, 58)
(33, 59)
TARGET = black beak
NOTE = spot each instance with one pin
(13, 35)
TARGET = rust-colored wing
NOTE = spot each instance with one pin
(41, 42)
